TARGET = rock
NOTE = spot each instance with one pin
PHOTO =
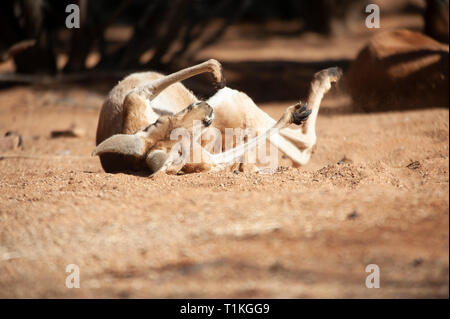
(418, 261)
(72, 132)
(399, 70)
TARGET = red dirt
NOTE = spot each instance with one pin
(307, 232)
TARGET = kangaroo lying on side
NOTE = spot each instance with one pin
(141, 111)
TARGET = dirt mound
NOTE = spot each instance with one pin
(342, 174)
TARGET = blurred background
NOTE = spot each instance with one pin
(260, 43)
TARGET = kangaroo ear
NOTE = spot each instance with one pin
(133, 145)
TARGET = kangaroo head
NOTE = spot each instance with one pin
(153, 146)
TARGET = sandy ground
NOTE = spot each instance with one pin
(375, 192)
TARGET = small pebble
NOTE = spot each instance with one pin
(414, 165)
(418, 261)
